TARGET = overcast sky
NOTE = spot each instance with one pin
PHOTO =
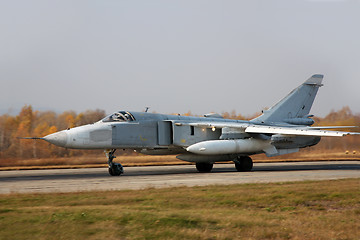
(177, 56)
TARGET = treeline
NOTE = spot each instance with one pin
(343, 117)
(30, 123)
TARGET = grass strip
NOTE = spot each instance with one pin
(295, 210)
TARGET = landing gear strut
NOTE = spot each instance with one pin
(243, 164)
(115, 169)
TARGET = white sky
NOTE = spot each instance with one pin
(176, 56)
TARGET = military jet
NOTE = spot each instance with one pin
(282, 129)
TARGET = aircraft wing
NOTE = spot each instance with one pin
(268, 129)
(295, 131)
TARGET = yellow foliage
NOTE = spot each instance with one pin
(52, 129)
(31, 123)
(70, 121)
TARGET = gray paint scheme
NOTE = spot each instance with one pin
(282, 129)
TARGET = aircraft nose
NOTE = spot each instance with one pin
(58, 138)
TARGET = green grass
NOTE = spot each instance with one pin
(299, 210)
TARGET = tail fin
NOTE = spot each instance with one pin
(296, 104)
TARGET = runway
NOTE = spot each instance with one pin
(98, 179)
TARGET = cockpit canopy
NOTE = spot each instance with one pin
(120, 116)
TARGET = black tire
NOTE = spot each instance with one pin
(204, 167)
(111, 172)
(244, 164)
(116, 169)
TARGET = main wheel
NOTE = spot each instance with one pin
(204, 167)
(111, 171)
(116, 169)
(244, 164)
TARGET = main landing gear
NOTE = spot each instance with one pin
(115, 169)
(243, 164)
(204, 167)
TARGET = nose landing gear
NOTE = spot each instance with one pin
(115, 169)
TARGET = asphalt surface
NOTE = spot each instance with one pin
(89, 179)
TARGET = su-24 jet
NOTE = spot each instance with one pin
(282, 129)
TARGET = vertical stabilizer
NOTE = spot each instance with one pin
(296, 104)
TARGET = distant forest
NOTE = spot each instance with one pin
(30, 123)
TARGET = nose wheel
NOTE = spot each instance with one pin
(115, 169)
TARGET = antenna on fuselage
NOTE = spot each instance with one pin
(146, 109)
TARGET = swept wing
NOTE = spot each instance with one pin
(270, 129)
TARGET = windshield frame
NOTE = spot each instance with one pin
(120, 116)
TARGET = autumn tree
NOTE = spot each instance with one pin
(8, 126)
(66, 120)
(38, 124)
